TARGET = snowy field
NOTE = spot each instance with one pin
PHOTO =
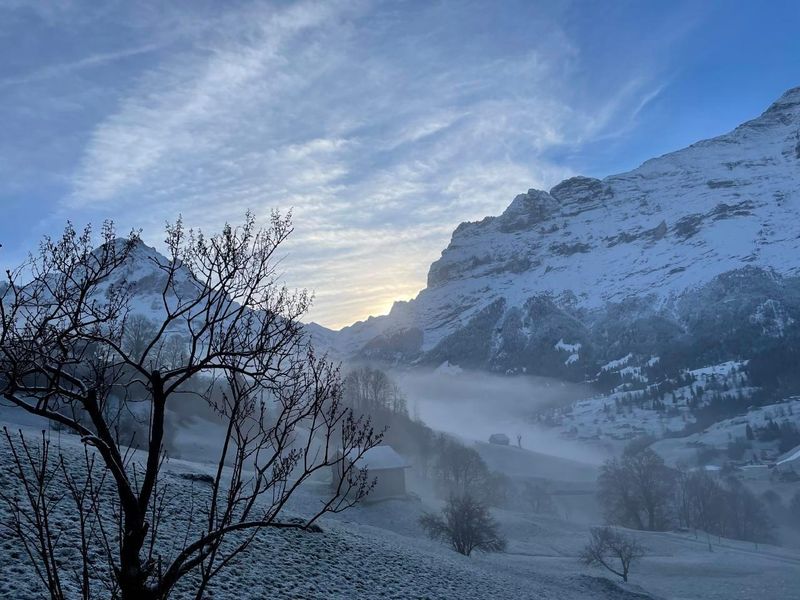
(378, 551)
(720, 433)
(598, 421)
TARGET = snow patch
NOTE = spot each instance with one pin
(562, 345)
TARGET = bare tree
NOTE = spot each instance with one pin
(653, 481)
(46, 486)
(700, 503)
(370, 390)
(465, 523)
(723, 507)
(636, 491)
(539, 497)
(139, 330)
(460, 470)
(66, 355)
(31, 510)
(794, 508)
(608, 547)
(745, 517)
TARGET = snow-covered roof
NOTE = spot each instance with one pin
(382, 457)
(791, 456)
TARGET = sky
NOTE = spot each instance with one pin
(380, 124)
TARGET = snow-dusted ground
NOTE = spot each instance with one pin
(612, 420)
(378, 551)
(353, 557)
(719, 434)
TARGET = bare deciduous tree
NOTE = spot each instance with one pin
(723, 507)
(72, 352)
(370, 390)
(539, 496)
(460, 470)
(794, 507)
(465, 523)
(607, 547)
(139, 330)
(34, 506)
(636, 490)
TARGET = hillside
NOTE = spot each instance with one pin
(378, 551)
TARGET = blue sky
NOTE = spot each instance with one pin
(381, 124)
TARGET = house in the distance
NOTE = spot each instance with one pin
(788, 463)
(499, 439)
(386, 466)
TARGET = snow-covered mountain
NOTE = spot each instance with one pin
(689, 260)
(700, 246)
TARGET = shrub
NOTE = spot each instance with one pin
(465, 523)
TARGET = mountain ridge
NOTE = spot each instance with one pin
(697, 243)
(667, 227)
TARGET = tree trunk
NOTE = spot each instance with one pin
(132, 574)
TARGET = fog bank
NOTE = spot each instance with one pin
(474, 405)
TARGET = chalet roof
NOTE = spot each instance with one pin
(382, 457)
(790, 456)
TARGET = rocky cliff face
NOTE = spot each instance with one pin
(697, 249)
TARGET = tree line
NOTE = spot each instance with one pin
(640, 491)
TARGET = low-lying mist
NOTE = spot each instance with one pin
(475, 405)
(467, 404)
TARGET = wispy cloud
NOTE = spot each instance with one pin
(70, 68)
(380, 130)
(193, 110)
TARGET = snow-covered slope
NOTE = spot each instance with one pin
(726, 207)
(379, 551)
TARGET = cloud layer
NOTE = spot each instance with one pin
(381, 125)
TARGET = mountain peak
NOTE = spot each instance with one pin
(580, 189)
(789, 101)
(782, 114)
(526, 210)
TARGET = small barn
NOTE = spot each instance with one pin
(499, 439)
(385, 465)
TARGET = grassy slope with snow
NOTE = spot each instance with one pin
(378, 551)
(612, 420)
